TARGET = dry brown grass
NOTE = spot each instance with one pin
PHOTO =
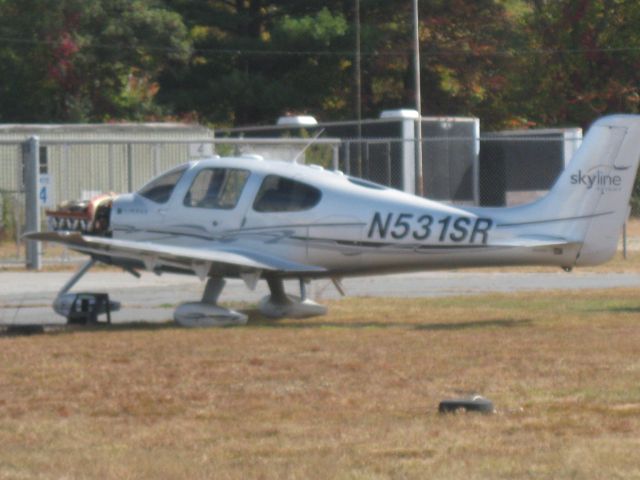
(352, 395)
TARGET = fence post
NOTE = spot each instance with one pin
(476, 166)
(129, 168)
(111, 174)
(475, 174)
(347, 157)
(31, 170)
(156, 159)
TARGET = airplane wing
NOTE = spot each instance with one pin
(192, 258)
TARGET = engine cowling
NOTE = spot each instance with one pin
(89, 217)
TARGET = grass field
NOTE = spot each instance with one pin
(352, 395)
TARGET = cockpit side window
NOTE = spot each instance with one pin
(216, 188)
(160, 189)
(279, 194)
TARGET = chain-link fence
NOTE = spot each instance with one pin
(519, 169)
(489, 171)
(12, 202)
(78, 170)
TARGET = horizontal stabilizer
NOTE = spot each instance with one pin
(157, 254)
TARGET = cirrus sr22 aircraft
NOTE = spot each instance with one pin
(251, 219)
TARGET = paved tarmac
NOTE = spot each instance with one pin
(26, 297)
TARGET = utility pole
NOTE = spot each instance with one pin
(358, 74)
(416, 67)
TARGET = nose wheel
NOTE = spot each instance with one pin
(83, 307)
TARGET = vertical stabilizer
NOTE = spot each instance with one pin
(590, 200)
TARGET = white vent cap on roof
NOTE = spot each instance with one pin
(297, 121)
(403, 113)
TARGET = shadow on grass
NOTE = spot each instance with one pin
(617, 310)
(256, 320)
(626, 309)
(501, 323)
(63, 329)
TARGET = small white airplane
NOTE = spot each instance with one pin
(251, 219)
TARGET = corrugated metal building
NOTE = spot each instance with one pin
(82, 158)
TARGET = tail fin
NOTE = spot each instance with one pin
(590, 200)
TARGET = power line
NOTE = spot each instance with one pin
(334, 53)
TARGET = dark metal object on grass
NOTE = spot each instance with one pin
(83, 308)
(475, 403)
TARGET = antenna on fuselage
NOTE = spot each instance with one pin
(311, 142)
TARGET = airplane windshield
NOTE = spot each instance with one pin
(216, 188)
(160, 189)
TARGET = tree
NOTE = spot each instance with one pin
(584, 60)
(256, 59)
(85, 59)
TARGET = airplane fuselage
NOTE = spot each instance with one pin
(352, 227)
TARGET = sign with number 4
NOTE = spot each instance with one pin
(45, 191)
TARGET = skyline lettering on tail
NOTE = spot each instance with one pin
(597, 179)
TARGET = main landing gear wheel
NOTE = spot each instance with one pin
(207, 313)
(279, 304)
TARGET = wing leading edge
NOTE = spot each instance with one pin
(155, 255)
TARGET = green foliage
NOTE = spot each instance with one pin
(254, 61)
(321, 28)
(85, 60)
(587, 60)
(463, 69)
